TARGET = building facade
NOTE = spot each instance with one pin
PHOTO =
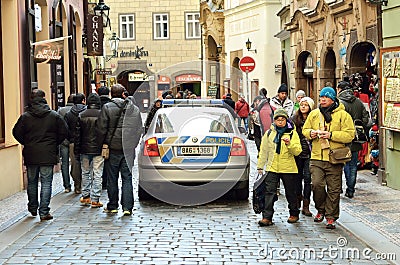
(21, 24)
(159, 48)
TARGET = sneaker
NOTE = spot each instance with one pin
(319, 217)
(67, 190)
(265, 222)
(97, 204)
(349, 195)
(78, 191)
(112, 211)
(330, 223)
(292, 219)
(46, 217)
(85, 201)
(127, 212)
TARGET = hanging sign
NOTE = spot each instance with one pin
(94, 31)
(138, 77)
(49, 51)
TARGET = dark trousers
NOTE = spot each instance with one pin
(303, 165)
(271, 183)
(115, 164)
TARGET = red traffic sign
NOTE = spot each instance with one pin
(247, 64)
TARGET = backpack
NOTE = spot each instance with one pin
(361, 136)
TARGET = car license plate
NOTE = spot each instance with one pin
(195, 151)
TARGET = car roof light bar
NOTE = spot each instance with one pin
(192, 102)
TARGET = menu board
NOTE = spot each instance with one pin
(390, 61)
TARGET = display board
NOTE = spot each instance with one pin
(390, 76)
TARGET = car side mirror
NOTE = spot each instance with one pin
(242, 130)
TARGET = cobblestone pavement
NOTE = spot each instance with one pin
(223, 232)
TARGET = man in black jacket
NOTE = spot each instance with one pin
(104, 95)
(120, 127)
(40, 130)
(71, 118)
(88, 148)
(357, 110)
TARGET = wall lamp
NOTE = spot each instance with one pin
(379, 2)
(219, 49)
(103, 10)
(248, 46)
(114, 42)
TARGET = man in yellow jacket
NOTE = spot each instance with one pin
(278, 147)
(328, 127)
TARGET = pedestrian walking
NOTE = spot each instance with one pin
(104, 93)
(281, 100)
(64, 148)
(242, 110)
(71, 118)
(278, 148)
(266, 113)
(328, 127)
(357, 111)
(299, 95)
(230, 104)
(157, 105)
(88, 147)
(303, 159)
(40, 130)
(114, 116)
(254, 123)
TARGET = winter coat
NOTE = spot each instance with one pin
(341, 128)
(150, 117)
(71, 118)
(242, 108)
(40, 130)
(305, 144)
(230, 102)
(62, 111)
(287, 104)
(356, 109)
(283, 162)
(104, 99)
(266, 114)
(110, 121)
(87, 141)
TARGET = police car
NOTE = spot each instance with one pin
(193, 153)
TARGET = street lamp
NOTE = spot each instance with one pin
(248, 46)
(219, 49)
(103, 10)
(114, 42)
(379, 2)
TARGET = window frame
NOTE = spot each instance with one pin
(194, 29)
(120, 23)
(155, 26)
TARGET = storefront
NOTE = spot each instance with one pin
(188, 82)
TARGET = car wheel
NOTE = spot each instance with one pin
(242, 194)
(143, 195)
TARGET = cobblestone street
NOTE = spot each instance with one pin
(223, 232)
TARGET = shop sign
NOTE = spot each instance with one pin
(94, 31)
(49, 51)
(106, 71)
(212, 91)
(163, 80)
(137, 53)
(188, 78)
(138, 77)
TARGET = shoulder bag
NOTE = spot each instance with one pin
(340, 155)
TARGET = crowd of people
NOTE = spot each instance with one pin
(91, 134)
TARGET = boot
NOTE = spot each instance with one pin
(306, 209)
(299, 200)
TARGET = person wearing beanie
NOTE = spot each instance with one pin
(104, 93)
(299, 95)
(328, 127)
(88, 146)
(278, 148)
(281, 100)
(357, 111)
(303, 159)
(157, 105)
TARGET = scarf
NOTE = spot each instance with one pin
(279, 132)
(327, 112)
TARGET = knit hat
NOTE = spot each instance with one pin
(93, 99)
(309, 101)
(328, 92)
(283, 88)
(300, 93)
(281, 113)
(343, 85)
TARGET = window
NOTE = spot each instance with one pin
(161, 27)
(127, 27)
(192, 25)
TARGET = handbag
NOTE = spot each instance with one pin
(259, 188)
(361, 136)
(340, 155)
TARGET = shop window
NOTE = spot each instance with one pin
(161, 26)
(192, 25)
(127, 27)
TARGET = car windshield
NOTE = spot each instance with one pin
(188, 121)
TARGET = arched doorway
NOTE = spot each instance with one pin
(305, 73)
(136, 83)
(363, 61)
(214, 72)
(328, 73)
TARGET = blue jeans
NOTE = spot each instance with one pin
(92, 169)
(245, 121)
(350, 172)
(46, 179)
(113, 165)
(64, 153)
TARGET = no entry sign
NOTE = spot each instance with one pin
(247, 64)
